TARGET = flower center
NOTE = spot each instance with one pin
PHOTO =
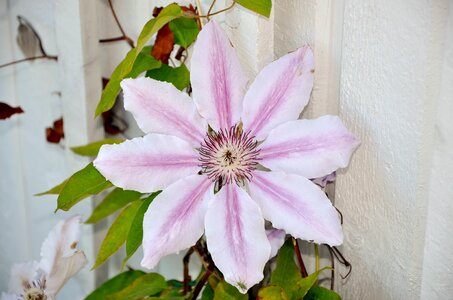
(34, 290)
(229, 155)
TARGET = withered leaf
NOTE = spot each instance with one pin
(112, 123)
(28, 39)
(165, 41)
(55, 133)
(7, 111)
(163, 46)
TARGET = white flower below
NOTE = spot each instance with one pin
(60, 260)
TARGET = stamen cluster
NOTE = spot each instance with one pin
(34, 290)
(229, 155)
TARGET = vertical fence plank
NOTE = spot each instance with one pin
(390, 74)
(80, 79)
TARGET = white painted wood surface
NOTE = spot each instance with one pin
(385, 67)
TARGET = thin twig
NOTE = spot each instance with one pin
(53, 57)
(211, 7)
(214, 13)
(120, 27)
(115, 39)
(342, 260)
(332, 272)
(186, 276)
(303, 270)
(200, 284)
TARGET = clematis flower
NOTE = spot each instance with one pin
(189, 160)
(60, 260)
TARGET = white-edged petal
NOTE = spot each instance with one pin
(60, 257)
(276, 238)
(279, 93)
(174, 220)
(61, 242)
(147, 164)
(217, 79)
(67, 267)
(311, 148)
(22, 274)
(159, 107)
(236, 237)
(296, 205)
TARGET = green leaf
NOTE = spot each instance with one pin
(225, 291)
(55, 190)
(320, 293)
(262, 7)
(144, 62)
(131, 66)
(208, 293)
(92, 149)
(185, 31)
(286, 273)
(114, 285)
(135, 235)
(117, 199)
(305, 284)
(179, 77)
(82, 184)
(112, 89)
(272, 292)
(146, 285)
(117, 234)
(169, 13)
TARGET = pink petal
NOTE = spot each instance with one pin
(311, 148)
(174, 220)
(276, 238)
(148, 163)
(217, 78)
(236, 237)
(159, 107)
(279, 93)
(296, 205)
(61, 242)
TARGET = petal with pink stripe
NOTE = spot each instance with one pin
(175, 219)
(296, 205)
(311, 148)
(279, 93)
(147, 164)
(276, 238)
(159, 107)
(236, 237)
(217, 79)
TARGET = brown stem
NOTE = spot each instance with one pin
(211, 7)
(186, 276)
(200, 284)
(123, 33)
(214, 13)
(332, 272)
(115, 39)
(303, 270)
(53, 57)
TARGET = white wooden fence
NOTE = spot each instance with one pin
(386, 67)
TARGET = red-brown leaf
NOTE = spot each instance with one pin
(163, 46)
(7, 111)
(56, 133)
(165, 41)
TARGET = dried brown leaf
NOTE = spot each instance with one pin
(55, 133)
(7, 111)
